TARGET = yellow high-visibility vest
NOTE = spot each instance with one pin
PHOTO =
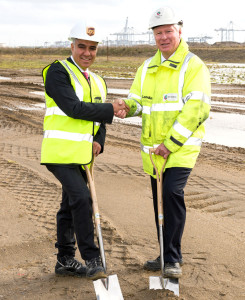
(173, 99)
(67, 140)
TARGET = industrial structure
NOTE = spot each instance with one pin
(227, 34)
(58, 44)
(128, 37)
(199, 39)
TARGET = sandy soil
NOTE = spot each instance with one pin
(213, 241)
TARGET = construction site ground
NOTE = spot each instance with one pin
(213, 241)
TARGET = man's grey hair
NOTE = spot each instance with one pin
(177, 27)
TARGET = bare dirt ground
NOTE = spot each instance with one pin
(213, 242)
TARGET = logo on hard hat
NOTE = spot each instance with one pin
(158, 14)
(90, 31)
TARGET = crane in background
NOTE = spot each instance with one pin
(227, 34)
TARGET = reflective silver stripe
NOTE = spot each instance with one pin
(131, 95)
(55, 110)
(181, 129)
(182, 77)
(77, 137)
(165, 107)
(146, 110)
(78, 85)
(170, 106)
(96, 123)
(138, 109)
(147, 148)
(100, 86)
(144, 70)
(156, 145)
(193, 141)
(196, 95)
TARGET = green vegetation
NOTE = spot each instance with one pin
(112, 64)
(114, 61)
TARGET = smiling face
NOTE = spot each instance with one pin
(167, 39)
(84, 52)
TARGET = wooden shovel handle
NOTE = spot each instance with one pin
(90, 177)
(159, 187)
(159, 177)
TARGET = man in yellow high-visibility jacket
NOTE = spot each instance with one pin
(74, 131)
(171, 91)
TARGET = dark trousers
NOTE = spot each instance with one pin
(174, 181)
(74, 218)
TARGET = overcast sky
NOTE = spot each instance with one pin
(33, 22)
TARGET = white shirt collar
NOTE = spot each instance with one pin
(163, 58)
(78, 65)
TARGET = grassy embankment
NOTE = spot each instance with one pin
(38, 58)
(114, 61)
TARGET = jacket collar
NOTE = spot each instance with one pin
(174, 62)
(71, 60)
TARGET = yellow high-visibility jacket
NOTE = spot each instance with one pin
(67, 140)
(173, 98)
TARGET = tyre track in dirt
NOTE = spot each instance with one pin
(218, 201)
(223, 198)
(36, 194)
(40, 201)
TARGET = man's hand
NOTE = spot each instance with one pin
(120, 108)
(96, 148)
(162, 150)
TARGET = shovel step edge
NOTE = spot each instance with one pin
(158, 283)
(112, 293)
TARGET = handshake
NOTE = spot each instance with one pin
(120, 108)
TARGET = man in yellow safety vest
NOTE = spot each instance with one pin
(74, 131)
(171, 91)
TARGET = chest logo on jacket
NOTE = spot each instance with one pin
(170, 97)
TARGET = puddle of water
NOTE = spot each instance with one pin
(227, 73)
(126, 91)
(40, 105)
(228, 65)
(118, 91)
(221, 128)
(129, 121)
(36, 106)
(38, 93)
(226, 129)
(228, 96)
(124, 78)
(5, 78)
(229, 104)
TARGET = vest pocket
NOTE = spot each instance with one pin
(97, 99)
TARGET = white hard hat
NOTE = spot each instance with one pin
(85, 30)
(163, 16)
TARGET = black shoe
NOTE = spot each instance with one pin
(172, 270)
(95, 269)
(68, 265)
(153, 265)
(181, 262)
